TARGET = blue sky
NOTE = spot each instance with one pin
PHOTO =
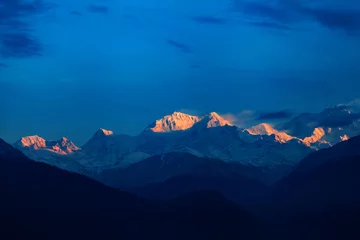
(69, 67)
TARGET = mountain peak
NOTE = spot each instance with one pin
(62, 146)
(177, 121)
(316, 137)
(35, 142)
(215, 120)
(103, 132)
(214, 114)
(267, 129)
(179, 114)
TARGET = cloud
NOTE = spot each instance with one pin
(342, 121)
(353, 106)
(183, 47)
(76, 13)
(287, 13)
(20, 45)
(264, 10)
(209, 20)
(270, 25)
(190, 111)
(98, 9)
(285, 114)
(16, 39)
(242, 119)
(348, 20)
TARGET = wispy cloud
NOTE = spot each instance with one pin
(16, 39)
(3, 65)
(285, 114)
(241, 119)
(348, 19)
(265, 10)
(20, 45)
(270, 25)
(190, 111)
(209, 20)
(98, 9)
(76, 13)
(287, 13)
(183, 47)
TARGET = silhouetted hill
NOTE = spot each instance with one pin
(336, 182)
(170, 175)
(42, 202)
(345, 149)
(329, 176)
(236, 188)
(321, 197)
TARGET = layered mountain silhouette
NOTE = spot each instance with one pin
(43, 202)
(321, 196)
(206, 136)
(329, 176)
(171, 175)
(318, 200)
(182, 178)
(267, 153)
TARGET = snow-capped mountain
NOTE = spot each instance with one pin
(209, 135)
(206, 136)
(61, 153)
(175, 122)
(178, 121)
(267, 129)
(331, 126)
(106, 150)
(214, 120)
(62, 146)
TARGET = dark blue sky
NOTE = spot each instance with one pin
(69, 67)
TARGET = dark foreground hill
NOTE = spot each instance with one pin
(42, 202)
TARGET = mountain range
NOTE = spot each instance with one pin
(319, 199)
(272, 150)
(189, 177)
(43, 202)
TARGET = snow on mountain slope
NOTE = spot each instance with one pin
(215, 120)
(327, 127)
(180, 121)
(207, 136)
(31, 142)
(106, 149)
(174, 122)
(231, 144)
(62, 146)
(316, 138)
(132, 158)
(267, 129)
(61, 153)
